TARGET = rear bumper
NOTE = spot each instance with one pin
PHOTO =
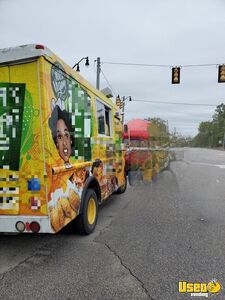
(8, 223)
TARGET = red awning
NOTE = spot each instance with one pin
(137, 130)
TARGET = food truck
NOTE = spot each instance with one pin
(147, 153)
(61, 151)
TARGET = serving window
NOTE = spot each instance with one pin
(104, 118)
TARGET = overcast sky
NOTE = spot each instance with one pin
(164, 32)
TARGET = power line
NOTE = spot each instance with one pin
(157, 65)
(160, 102)
(175, 103)
(101, 71)
(134, 64)
(108, 82)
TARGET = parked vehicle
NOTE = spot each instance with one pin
(146, 154)
(61, 149)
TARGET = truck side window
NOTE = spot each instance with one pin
(100, 117)
(107, 123)
(103, 118)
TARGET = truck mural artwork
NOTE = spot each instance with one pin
(61, 145)
(61, 148)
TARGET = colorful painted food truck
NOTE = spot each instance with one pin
(61, 151)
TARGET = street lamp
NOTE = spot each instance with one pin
(77, 64)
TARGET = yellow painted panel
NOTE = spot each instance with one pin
(31, 151)
(4, 74)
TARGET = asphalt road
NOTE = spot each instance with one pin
(146, 241)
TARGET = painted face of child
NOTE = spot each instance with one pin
(63, 140)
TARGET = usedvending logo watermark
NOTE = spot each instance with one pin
(199, 289)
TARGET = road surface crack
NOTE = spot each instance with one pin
(129, 270)
(119, 258)
(41, 253)
(16, 266)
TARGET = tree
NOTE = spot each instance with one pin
(219, 123)
(158, 131)
(204, 137)
(211, 132)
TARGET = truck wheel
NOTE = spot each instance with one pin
(123, 187)
(85, 223)
(167, 168)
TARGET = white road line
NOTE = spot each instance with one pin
(207, 164)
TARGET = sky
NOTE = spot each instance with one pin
(162, 32)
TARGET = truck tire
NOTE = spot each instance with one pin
(167, 168)
(123, 187)
(85, 222)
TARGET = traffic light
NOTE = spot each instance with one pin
(118, 101)
(175, 75)
(121, 104)
(221, 73)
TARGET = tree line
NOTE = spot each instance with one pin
(212, 133)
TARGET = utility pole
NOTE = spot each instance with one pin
(98, 73)
(123, 101)
(123, 106)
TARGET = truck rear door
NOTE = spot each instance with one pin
(22, 189)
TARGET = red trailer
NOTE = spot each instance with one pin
(139, 156)
(145, 155)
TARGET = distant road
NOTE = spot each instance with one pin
(146, 241)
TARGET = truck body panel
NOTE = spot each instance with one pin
(57, 134)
